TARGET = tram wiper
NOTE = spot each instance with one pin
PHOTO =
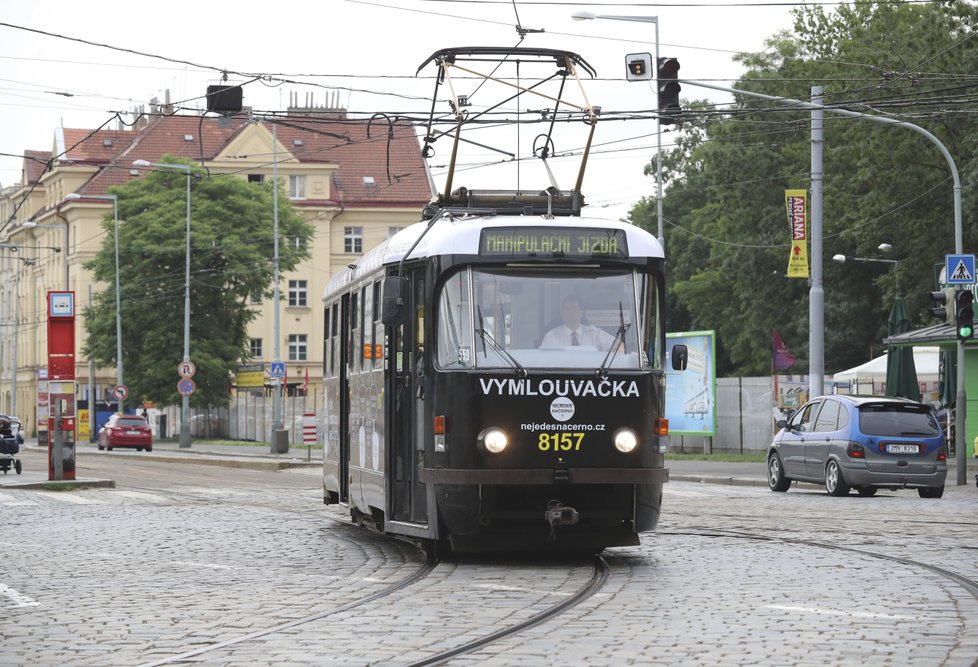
(616, 343)
(487, 338)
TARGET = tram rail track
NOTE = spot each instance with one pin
(598, 579)
(600, 572)
(417, 575)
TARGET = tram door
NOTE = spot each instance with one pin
(406, 379)
(344, 398)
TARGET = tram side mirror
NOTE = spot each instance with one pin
(680, 356)
(392, 304)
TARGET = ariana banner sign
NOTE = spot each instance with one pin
(796, 203)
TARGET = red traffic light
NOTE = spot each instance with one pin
(668, 68)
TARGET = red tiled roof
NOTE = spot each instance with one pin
(93, 148)
(333, 141)
(35, 164)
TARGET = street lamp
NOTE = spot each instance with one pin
(590, 16)
(30, 224)
(185, 406)
(118, 303)
(885, 247)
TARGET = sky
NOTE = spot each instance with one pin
(361, 54)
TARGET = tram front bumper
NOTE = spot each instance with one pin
(529, 476)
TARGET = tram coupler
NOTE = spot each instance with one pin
(558, 515)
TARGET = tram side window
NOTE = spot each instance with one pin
(378, 328)
(335, 347)
(650, 305)
(326, 342)
(454, 323)
(354, 331)
(366, 350)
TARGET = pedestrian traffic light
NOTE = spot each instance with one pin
(638, 66)
(666, 74)
(964, 313)
(941, 299)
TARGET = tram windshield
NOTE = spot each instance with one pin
(526, 319)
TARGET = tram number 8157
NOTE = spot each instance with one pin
(564, 442)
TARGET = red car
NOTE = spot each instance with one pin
(126, 431)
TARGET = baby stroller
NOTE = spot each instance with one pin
(9, 447)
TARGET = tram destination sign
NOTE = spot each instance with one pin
(554, 242)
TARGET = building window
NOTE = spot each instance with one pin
(256, 351)
(297, 347)
(256, 178)
(297, 293)
(297, 187)
(352, 239)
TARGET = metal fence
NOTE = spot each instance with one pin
(744, 418)
(249, 417)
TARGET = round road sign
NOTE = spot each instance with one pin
(121, 392)
(187, 369)
(186, 387)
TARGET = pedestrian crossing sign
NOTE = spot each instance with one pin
(959, 269)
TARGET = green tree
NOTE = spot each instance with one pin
(727, 237)
(232, 252)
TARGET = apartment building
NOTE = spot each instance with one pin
(355, 183)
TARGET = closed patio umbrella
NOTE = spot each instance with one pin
(901, 374)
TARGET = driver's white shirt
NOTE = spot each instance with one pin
(586, 334)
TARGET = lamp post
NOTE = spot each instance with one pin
(185, 406)
(589, 16)
(118, 302)
(16, 327)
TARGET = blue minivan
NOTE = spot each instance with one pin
(864, 443)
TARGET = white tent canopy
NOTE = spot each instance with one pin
(926, 360)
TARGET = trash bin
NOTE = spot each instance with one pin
(280, 441)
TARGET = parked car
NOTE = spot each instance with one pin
(864, 443)
(126, 431)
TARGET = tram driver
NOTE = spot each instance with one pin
(572, 332)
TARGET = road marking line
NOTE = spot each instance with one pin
(840, 612)
(213, 566)
(147, 497)
(518, 589)
(71, 498)
(18, 598)
(12, 501)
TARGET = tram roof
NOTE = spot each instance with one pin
(460, 235)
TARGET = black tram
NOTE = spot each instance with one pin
(495, 374)
(459, 407)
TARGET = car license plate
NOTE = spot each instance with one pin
(902, 449)
(132, 432)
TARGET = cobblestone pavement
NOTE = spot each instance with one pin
(131, 576)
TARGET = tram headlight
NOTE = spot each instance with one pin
(625, 440)
(493, 440)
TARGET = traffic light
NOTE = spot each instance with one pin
(941, 299)
(964, 313)
(666, 74)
